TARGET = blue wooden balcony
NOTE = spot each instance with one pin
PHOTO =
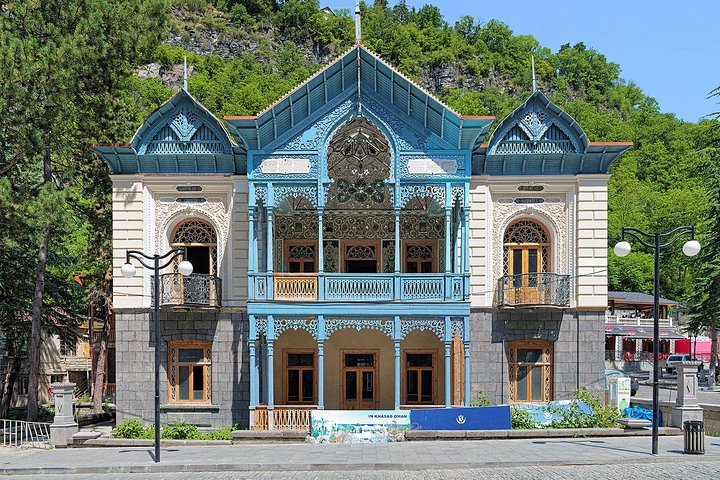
(349, 287)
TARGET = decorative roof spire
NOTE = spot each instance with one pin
(358, 36)
(534, 85)
(185, 74)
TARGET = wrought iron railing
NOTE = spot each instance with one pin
(18, 433)
(195, 289)
(534, 289)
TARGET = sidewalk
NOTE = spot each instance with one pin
(341, 457)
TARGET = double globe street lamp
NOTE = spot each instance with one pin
(657, 241)
(128, 270)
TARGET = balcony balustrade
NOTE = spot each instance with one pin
(192, 290)
(533, 290)
(358, 287)
(638, 321)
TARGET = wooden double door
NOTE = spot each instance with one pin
(526, 263)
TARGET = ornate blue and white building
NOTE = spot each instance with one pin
(357, 246)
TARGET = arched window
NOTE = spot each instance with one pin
(200, 241)
(526, 248)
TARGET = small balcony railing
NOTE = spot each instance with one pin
(358, 287)
(192, 290)
(533, 290)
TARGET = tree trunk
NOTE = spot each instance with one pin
(101, 357)
(36, 326)
(10, 378)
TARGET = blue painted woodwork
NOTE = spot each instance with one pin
(375, 287)
(539, 138)
(180, 136)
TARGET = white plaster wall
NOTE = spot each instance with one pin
(128, 234)
(478, 241)
(239, 244)
(145, 212)
(592, 238)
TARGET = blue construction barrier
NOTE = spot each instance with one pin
(462, 418)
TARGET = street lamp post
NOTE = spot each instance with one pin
(128, 270)
(657, 241)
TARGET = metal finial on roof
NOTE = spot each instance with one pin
(185, 74)
(534, 85)
(358, 36)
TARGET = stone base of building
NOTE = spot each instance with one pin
(575, 339)
(223, 330)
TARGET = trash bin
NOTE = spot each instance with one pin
(694, 432)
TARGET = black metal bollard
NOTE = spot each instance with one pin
(694, 434)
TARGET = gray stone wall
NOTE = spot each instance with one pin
(135, 359)
(579, 358)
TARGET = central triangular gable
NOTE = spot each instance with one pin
(331, 86)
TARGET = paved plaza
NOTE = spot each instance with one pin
(465, 459)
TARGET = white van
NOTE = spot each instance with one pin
(674, 359)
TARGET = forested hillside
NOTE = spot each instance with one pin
(245, 54)
(83, 71)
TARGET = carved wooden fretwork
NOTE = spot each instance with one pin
(217, 212)
(552, 214)
(359, 161)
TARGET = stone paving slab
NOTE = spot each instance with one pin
(405, 456)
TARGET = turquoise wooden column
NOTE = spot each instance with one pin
(252, 247)
(254, 391)
(269, 254)
(397, 336)
(448, 373)
(320, 257)
(466, 343)
(448, 241)
(270, 371)
(398, 254)
(321, 361)
(466, 252)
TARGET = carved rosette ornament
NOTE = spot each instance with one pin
(552, 213)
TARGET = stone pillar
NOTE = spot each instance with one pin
(64, 425)
(686, 403)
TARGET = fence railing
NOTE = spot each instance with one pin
(358, 287)
(637, 321)
(534, 289)
(295, 286)
(19, 433)
(285, 417)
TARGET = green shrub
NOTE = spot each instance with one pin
(601, 415)
(521, 419)
(482, 401)
(133, 428)
(181, 430)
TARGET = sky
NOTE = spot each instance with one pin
(669, 49)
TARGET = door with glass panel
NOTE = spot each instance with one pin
(526, 259)
(419, 378)
(530, 371)
(359, 380)
(299, 373)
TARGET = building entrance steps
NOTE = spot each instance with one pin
(345, 457)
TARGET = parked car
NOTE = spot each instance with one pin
(673, 360)
(610, 373)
